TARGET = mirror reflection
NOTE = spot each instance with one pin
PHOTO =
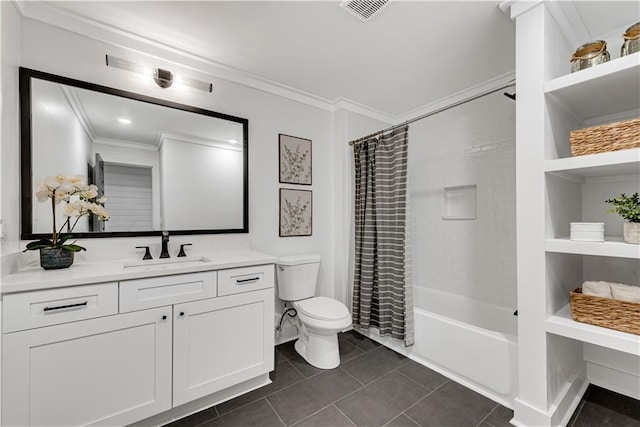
(160, 167)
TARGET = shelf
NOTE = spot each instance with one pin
(603, 90)
(562, 324)
(624, 162)
(612, 247)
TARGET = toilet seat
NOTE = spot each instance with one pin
(323, 308)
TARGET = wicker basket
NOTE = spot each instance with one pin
(612, 137)
(605, 312)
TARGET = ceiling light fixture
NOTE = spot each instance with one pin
(163, 78)
(233, 141)
(124, 121)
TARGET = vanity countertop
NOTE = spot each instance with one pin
(35, 278)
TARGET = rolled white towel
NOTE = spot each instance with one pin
(625, 292)
(597, 289)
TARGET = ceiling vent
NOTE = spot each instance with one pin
(364, 10)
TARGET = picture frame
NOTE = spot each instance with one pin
(296, 212)
(295, 166)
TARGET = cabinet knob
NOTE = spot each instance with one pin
(181, 313)
(164, 317)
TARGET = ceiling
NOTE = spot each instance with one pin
(412, 54)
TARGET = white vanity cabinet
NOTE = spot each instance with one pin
(82, 372)
(223, 341)
(107, 354)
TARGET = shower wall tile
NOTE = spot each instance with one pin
(473, 144)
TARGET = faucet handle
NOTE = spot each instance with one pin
(181, 253)
(147, 253)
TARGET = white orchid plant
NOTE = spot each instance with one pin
(79, 199)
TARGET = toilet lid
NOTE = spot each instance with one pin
(323, 308)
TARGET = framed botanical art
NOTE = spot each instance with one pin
(295, 212)
(295, 160)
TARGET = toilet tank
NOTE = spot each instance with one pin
(297, 276)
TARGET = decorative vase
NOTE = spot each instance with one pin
(55, 258)
(631, 232)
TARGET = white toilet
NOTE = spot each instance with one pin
(319, 318)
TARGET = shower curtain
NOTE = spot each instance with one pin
(382, 291)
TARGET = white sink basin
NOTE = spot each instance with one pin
(168, 262)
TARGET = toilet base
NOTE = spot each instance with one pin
(321, 351)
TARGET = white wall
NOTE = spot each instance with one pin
(10, 30)
(473, 144)
(186, 167)
(60, 52)
(65, 148)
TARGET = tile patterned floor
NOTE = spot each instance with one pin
(374, 386)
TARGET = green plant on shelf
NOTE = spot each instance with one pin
(628, 207)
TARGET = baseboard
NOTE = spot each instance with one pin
(525, 415)
(614, 380)
(564, 408)
(558, 414)
(204, 402)
(288, 333)
(613, 370)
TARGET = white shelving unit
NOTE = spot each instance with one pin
(611, 247)
(562, 324)
(625, 162)
(612, 86)
(554, 189)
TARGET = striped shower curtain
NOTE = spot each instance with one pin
(382, 292)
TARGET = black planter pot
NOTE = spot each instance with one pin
(55, 258)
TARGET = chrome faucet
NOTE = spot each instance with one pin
(165, 245)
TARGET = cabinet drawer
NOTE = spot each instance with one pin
(238, 280)
(166, 290)
(53, 306)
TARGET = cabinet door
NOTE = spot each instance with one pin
(221, 342)
(110, 371)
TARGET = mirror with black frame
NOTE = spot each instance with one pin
(161, 165)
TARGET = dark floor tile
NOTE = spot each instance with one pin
(357, 339)
(348, 351)
(423, 375)
(382, 400)
(607, 408)
(278, 357)
(328, 417)
(452, 405)
(283, 376)
(287, 350)
(305, 398)
(500, 417)
(374, 364)
(576, 413)
(258, 414)
(304, 367)
(195, 419)
(402, 421)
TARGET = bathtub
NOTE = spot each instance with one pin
(473, 343)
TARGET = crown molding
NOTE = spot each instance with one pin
(139, 45)
(126, 144)
(79, 111)
(517, 7)
(459, 96)
(569, 21)
(196, 140)
(161, 53)
(354, 107)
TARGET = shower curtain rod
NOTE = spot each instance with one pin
(439, 110)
